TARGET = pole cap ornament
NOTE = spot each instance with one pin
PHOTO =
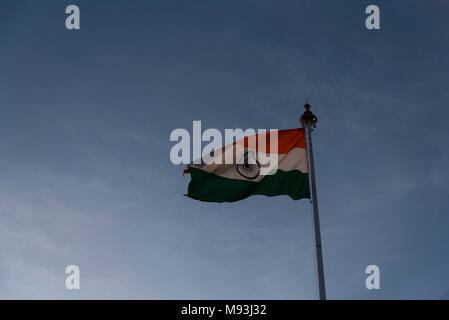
(308, 118)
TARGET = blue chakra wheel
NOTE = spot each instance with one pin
(246, 169)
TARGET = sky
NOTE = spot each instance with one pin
(85, 171)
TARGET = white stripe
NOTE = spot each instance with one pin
(294, 160)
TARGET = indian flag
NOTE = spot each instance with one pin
(216, 179)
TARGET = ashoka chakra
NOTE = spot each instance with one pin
(246, 169)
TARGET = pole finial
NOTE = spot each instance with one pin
(308, 118)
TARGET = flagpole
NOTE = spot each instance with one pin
(309, 120)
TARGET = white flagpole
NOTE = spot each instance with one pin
(309, 120)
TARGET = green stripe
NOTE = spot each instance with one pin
(209, 187)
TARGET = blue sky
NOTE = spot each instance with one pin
(85, 173)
